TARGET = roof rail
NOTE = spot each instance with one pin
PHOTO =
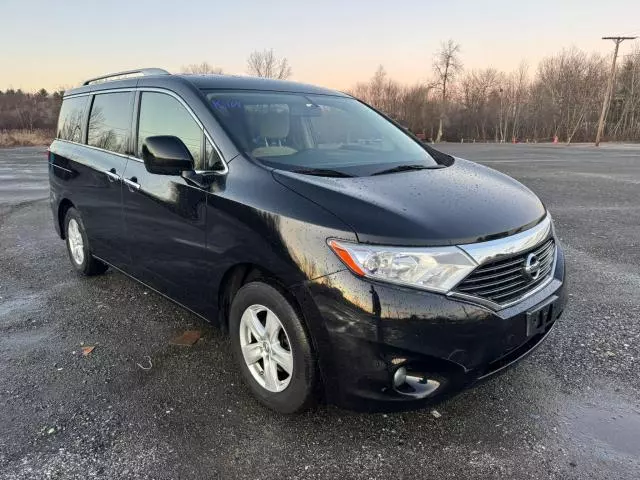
(116, 76)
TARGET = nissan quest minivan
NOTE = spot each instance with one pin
(346, 260)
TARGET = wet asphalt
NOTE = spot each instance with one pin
(571, 410)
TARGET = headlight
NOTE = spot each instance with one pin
(553, 225)
(438, 268)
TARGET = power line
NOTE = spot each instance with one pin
(632, 32)
(607, 97)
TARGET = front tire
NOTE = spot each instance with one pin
(78, 246)
(272, 348)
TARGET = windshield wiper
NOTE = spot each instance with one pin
(406, 168)
(322, 172)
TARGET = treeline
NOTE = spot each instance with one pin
(29, 111)
(563, 97)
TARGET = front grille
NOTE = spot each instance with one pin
(505, 281)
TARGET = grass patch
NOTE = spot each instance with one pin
(25, 138)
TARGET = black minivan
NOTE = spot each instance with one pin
(346, 259)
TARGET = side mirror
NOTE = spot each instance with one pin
(166, 155)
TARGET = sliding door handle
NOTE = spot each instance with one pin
(112, 175)
(132, 183)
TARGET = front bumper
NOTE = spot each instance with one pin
(365, 330)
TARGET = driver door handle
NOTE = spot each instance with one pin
(112, 175)
(132, 183)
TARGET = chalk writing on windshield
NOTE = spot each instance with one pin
(226, 104)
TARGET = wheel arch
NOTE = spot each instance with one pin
(63, 207)
(240, 274)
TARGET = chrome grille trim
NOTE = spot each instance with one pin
(484, 252)
(473, 281)
(499, 281)
(514, 287)
(477, 280)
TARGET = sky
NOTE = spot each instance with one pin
(331, 43)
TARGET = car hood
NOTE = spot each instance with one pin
(463, 203)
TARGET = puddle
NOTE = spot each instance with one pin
(15, 306)
(19, 313)
(619, 431)
(22, 342)
(610, 425)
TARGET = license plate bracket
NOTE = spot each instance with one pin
(539, 318)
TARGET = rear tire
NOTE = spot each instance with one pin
(272, 349)
(78, 246)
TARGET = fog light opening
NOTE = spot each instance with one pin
(414, 384)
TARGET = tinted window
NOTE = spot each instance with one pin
(71, 117)
(298, 131)
(161, 114)
(110, 121)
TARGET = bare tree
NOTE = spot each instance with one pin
(446, 65)
(377, 87)
(513, 90)
(266, 64)
(416, 108)
(625, 111)
(27, 112)
(360, 90)
(480, 98)
(571, 81)
(409, 105)
(519, 81)
(204, 68)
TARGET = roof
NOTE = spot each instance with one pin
(238, 82)
(221, 82)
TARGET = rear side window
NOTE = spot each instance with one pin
(71, 118)
(161, 114)
(110, 121)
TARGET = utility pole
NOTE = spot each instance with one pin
(612, 75)
(502, 134)
(633, 81)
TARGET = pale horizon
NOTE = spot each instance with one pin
(334, 45)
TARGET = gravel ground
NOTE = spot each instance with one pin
(571, 410)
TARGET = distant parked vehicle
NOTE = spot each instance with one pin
(344, 258)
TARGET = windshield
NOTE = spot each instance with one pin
(316, 134)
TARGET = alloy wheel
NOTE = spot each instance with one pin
(76, 243)
(266, 348)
